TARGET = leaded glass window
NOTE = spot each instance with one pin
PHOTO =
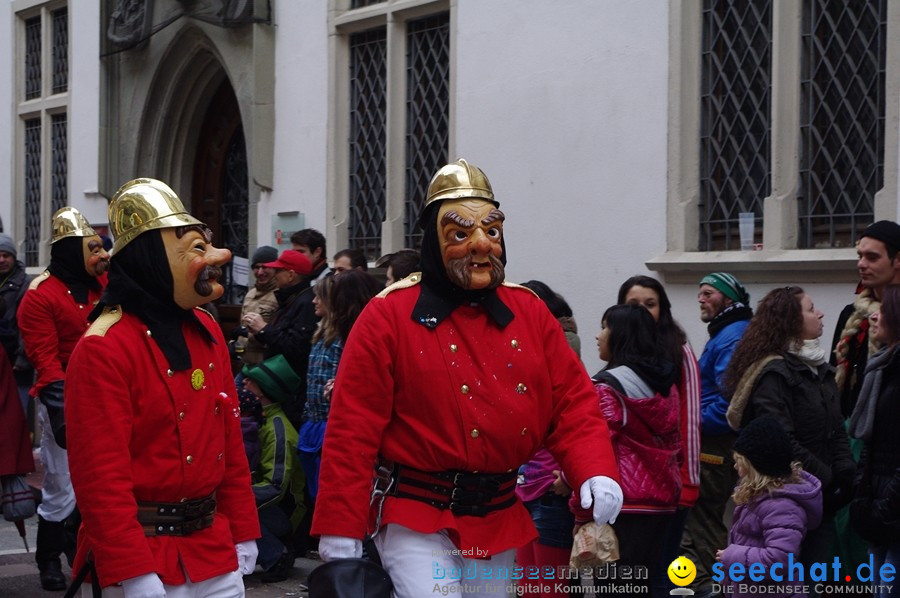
(735, 117)
(368, 121)
(59, 188)
(428, 112)
(32, 191)
(842, 119)
(60, 50)
(235, 212)
(32, 58)
(361, 3)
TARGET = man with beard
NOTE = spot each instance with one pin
(261, 300)
(725, 307)
(52, 317)
(156, 452)
(449, 381)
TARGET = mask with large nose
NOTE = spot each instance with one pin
(470, 235)
(195, 264)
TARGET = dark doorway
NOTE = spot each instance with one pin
(220, 192)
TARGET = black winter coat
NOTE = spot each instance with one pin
(807, 407)
(290, 334)
(875, 510)
(11, 291)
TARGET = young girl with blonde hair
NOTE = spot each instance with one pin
(776, 502)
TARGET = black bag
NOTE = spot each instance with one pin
(17, 499)
(351, 578)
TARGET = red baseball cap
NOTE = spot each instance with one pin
(293, 260)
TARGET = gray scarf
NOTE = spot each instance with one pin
(862, 420)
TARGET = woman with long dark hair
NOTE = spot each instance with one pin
(639, 400)
(779, 370)
(875, 510)
(650, 294)
(338, 302)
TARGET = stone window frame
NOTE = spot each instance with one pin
(44, 107)
(343, 21)
(779, 259)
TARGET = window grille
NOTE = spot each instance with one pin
(59, 187)
(60, 50)
(428, 112)
(842, 119)
(235, 212)
(32, 191)
(32, 58)
(735, 118)
(368, 118)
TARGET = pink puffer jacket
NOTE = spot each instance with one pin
(646, 439)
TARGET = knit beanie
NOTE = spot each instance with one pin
(728, 285)
(276, 378)
(767, 446)
(8, 245)
(885, 231)
(263, 255)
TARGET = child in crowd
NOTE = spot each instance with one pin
(278, 480)
(776, 502)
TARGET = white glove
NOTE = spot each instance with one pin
(246, 553)
(339, 547)
(148, 585)
(606, 495)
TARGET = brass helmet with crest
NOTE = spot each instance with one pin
(141, 205)
(459, 180)
(69, 222)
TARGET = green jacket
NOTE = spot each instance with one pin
(278, 479)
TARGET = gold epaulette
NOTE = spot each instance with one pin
(513, 285)
(102, 324)
(37, 280)
(410, 281)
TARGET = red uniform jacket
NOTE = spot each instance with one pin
(465, 395)
(51, 322)
(139, 431)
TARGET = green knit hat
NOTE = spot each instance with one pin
(728, 285)
(276, 378)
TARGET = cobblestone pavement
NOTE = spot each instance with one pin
(19, 574)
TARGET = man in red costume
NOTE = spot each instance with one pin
(154, 436)
(451, 379)
(52, 317)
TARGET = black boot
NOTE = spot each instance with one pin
(50, 544)
(71, 525)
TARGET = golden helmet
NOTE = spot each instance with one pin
(69, 222)
(141, 205)
(459, 180)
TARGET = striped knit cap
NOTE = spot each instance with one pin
(728, 285)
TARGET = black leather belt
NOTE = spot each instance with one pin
(462, 492)
(178, 518)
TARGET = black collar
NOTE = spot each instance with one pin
(432, 308)
(735, 312)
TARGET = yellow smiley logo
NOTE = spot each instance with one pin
(682, 571)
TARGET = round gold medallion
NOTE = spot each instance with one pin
(197, 379)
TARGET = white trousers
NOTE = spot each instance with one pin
(422, 565)
(57, 495)
(229, 585)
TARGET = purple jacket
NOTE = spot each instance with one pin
(770, 527)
